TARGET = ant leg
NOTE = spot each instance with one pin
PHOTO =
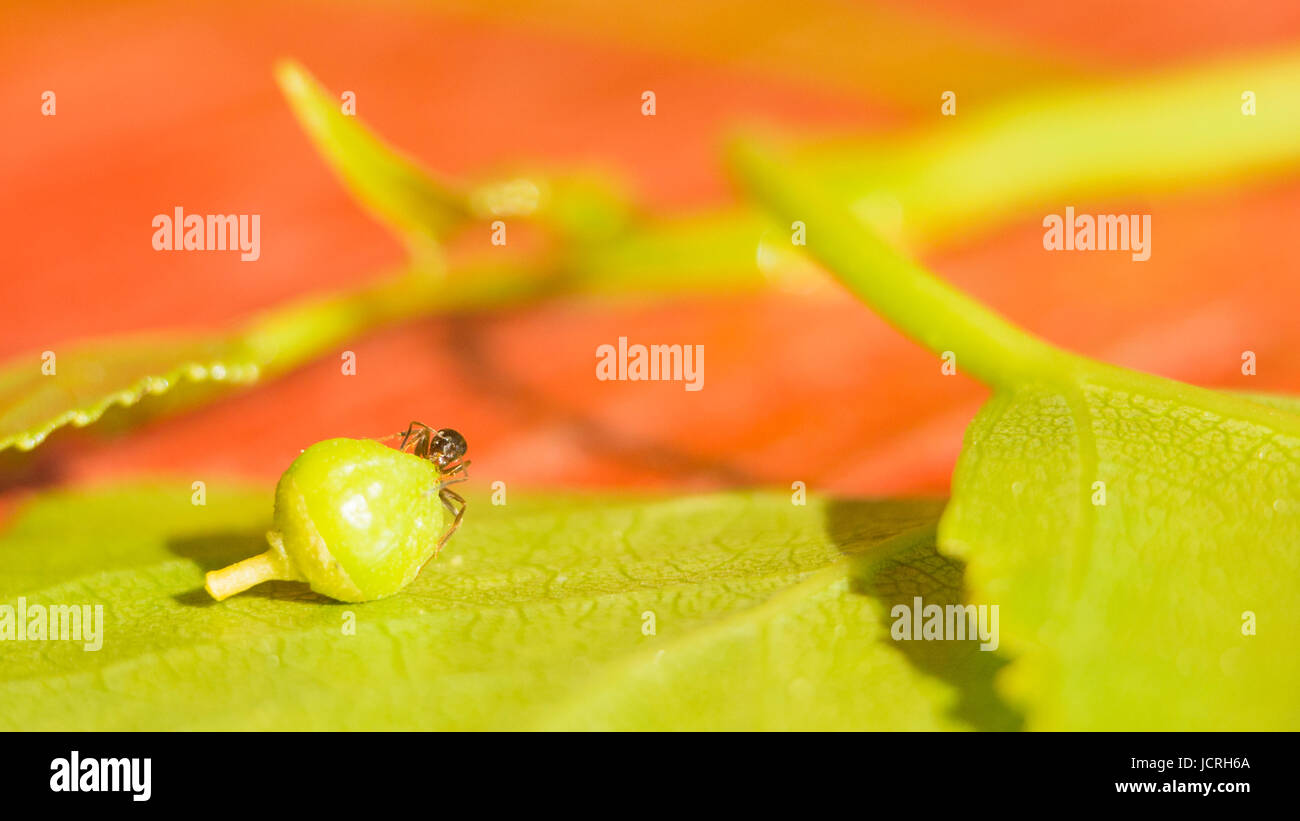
(446, 496)
(442, 485)
(443, 496)
(423, 434)
(460, 468)
(445, 482)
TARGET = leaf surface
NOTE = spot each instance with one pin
(1141, 536)
(764, 614)
(89, 379)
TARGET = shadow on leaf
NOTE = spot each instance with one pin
(894, 573)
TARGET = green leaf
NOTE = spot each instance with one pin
(765, 615)
(424, 210)
(90, 378)
(1146, 136)
(1284, 402)
(396, 189)
(1123, 611)
(87, 380)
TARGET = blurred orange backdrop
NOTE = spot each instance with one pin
(162, 104)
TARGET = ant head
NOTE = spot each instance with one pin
(446, 447)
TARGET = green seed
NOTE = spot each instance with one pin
(355, 519)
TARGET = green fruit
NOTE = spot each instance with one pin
(355, 519)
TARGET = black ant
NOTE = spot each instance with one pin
(446, 449)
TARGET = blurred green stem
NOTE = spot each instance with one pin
(285, 337)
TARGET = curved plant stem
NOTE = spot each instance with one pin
(287, 336)
(923, 307)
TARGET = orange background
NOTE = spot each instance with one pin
(162, 104)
